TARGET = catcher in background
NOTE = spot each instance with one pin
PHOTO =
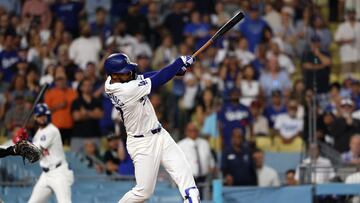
(56, 176)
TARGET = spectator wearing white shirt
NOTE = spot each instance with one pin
(198, 153)
(284, 60)
(272, 17)
(348, 37)
(267, 176)
(322, 170)
(289, 127)
(242, 52)
(250, 87)
(85, 48)
(354, 179)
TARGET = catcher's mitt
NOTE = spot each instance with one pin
(27, 150)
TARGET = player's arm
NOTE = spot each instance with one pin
(167, 73)
(7, 152)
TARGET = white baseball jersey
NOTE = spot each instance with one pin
(131, 100)
(49, 140)
(148, 151)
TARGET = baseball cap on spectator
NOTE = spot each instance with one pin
(347, 102)
(288, 10)
(112, 136)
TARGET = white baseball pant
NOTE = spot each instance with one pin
(147, 153)
(58, 180)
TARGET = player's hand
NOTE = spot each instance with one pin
(181, 72)
(187, 60)
(20, 135)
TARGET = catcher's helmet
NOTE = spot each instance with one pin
(119, 63)
(42, 109)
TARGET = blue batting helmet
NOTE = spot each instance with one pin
(119, 63)
(42, 109)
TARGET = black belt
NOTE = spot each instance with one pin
(48, 169)
(153, 131)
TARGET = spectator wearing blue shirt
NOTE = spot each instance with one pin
(274, 79)
(68, 12)
(252, 27)
(8, 58)
(92, 5)
(11, 6)
(275, 108)
(237, 163)
(100, 27)
(197, 28)
(175, 22)
(233, 115)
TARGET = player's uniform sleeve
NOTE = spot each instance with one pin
(131, 91)
(45, 140)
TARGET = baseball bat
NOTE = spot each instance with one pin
(226, 27)
(39, 96)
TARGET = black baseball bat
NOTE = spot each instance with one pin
(228, 25)
(38, 98)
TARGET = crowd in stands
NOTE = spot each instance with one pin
(253, 91)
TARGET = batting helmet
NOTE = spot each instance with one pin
(119, 63)
(42, 109)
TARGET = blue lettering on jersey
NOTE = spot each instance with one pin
(142, 83)
(115, 100)
(143, 99)
(43, 138)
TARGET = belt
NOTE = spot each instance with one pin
(153, 131)
(48, 169)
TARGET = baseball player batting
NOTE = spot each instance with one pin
(148, 144)
(56, 176)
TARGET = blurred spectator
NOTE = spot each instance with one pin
(136, 22)
(92, 5)
(143, 64)
(175, 22)
(92, 156)
(260, 125)
(348, 39)
(59, 99)
(233, 115)
(36, 13)
(70, 67)
(272, 17)
(355, 5)
(111, 156)
(99, 27)
(344, 126)
(353, 179)
(237, 163)
(15, 116)
(267, 176)
(320, 29)
(191, 92)
(284, 60)
(198, 153)
(229, 72)
(197, 28)
(287, 30)
(48, 76)
(18, 87)
(121, 40)
(68, 11)
(322, 170)
(242, 52)
(303, 30)
(91, 44)
(8, 57)
(32, 82)
(220, 17)
(165, 53)
(11, 6)
(275, 107)
(289, 128)
(141, 47)
(250, 87)
(353, 155)
(86, 111)
(252, 27)
(298, 91)
(290, 178)
(274, 79)
(316, 66)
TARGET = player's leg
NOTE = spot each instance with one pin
(41, 192)
(61, 184)
(7, 152)
(146, 156)
(179, 169)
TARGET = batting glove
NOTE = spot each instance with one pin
(187, 60)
